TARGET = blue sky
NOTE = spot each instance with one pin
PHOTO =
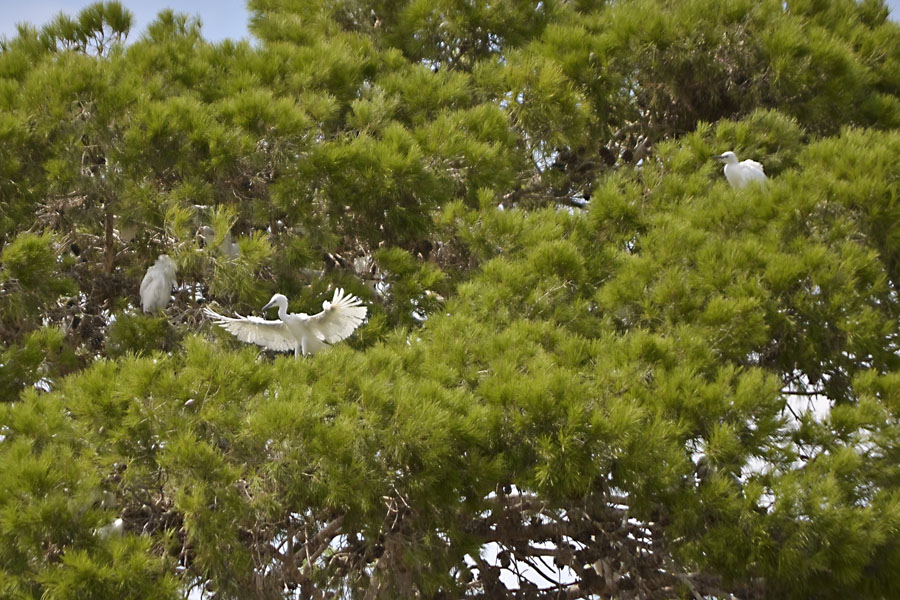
(221, 18)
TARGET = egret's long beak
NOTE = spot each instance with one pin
(719, 157)
(269, 305)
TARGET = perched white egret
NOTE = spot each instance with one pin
(227, 248)
(115, 528)
(300, 332)
(740, 174)
(156, 287)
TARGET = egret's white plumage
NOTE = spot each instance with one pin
(300, 332)
(741, 174)
(115, 528)
(156, 287)
(227, 248)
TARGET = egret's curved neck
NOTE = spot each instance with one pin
(282, 309)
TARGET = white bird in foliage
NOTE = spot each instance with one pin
(300, 332)
(227, 248)
(115, 528)
(740, 174)
(156, 287)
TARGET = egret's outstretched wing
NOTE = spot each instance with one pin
(273, 335)
(339, 318)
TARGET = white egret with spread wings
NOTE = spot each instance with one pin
(300, 332)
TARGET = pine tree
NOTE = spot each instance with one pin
(591, 368)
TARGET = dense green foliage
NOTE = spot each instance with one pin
(586, 355)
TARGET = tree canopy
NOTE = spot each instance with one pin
(591, 369)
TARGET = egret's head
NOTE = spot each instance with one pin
(166, 264)
(727, 157)
(277, 300)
